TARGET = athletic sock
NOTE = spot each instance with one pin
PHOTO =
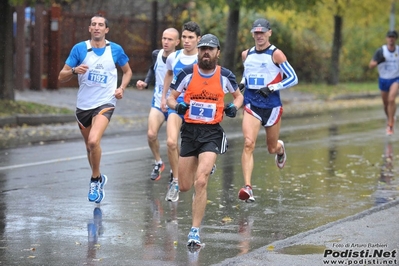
(96, 179)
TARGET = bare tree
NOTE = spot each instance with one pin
(6, 52)
(229, 52)
(333, 78)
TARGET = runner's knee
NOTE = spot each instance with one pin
(93, 143)
(273, 149)
(171, 143)
(249, 144)
(152, 136)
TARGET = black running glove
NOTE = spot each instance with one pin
(265, 91)
(230, 110)
(182, 107)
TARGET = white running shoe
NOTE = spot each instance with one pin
(173, 192)
(280, 159)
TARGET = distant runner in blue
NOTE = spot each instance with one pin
(94, 62)
(386, 60)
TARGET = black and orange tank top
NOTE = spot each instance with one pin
(206, 98)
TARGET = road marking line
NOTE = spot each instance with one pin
(68, 159)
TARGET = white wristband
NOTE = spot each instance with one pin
(276, 86)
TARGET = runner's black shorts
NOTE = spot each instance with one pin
(199, 138)
(85, 117)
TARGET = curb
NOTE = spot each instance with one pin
(357, 96)
(35, 120)
(265, 252)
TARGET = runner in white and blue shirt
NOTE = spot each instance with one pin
(156, 72)
(157, 116)
(266, 72)
(190, 36)
(176, 62)
(386, 59)
(97, 86)
(94, 62)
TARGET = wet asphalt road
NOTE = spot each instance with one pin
(46, 220)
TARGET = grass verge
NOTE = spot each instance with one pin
(9, 108)
(324, 91)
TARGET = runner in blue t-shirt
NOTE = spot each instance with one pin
(93, 62)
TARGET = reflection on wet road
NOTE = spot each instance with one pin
(388, 184)
(333, 171)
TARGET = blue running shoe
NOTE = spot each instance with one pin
(193, 238)
(101, 191)
(94, 193)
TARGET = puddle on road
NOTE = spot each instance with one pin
(302, 250)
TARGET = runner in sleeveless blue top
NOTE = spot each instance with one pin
(266, 72)
(156, 117)
(93, 62)
(386, 60)
(187, 56)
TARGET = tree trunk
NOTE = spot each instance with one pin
(20, 49)
(6, 52)
(228, 52)
(337, 44)
(37, 61)
(154, 26)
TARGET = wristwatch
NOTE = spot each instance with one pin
(73, 71)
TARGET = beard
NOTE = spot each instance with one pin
(207, 64)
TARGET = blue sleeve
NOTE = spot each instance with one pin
(77, 55)
(118, 54)
(291, 77)
(180, 76)
(230, 76)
